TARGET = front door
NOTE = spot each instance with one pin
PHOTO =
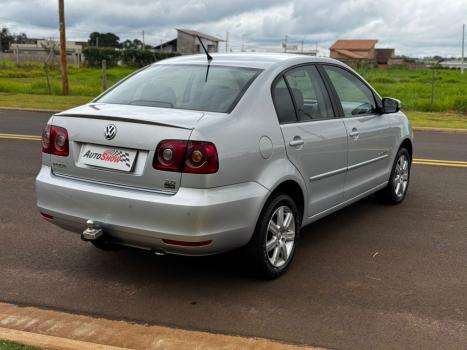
(369, 134)
(316, 141)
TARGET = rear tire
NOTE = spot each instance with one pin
(272, 247)
(396, 190)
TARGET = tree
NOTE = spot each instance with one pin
(6, 38)
(20, 38)
(135, 44)
(103, 40)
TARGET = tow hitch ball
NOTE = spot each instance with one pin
(92, 231)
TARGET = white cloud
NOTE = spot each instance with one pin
(413, 27)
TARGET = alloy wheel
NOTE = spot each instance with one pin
(280, 238)
(401, 176)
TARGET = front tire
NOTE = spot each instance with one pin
(272, 247)
(396, 190)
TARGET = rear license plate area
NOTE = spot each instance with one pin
(114, 158)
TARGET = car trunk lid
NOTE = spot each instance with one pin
(126, 158)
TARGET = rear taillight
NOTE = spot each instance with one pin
(55, 141)
(170, 155)
(201, 158)
(196, 157)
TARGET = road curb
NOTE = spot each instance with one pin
(446, 130)
(51, 342)
(30, 109)
(65, 331)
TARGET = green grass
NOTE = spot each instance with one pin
(29, 78)
(413, 88)
(50, 102)
(437, 120)
(8, 345)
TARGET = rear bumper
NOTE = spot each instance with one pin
(225, 215)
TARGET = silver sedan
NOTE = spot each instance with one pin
(196, 157)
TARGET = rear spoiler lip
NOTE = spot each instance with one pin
(123, 119)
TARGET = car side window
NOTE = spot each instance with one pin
(283, 102)
(309, 93)
(356, 98)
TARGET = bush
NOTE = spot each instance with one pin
(137, 58)
(94, 56)
(460, 104)
(129, 57)
(140, 58)
(163, 55)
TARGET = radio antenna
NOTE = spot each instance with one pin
(208, 56)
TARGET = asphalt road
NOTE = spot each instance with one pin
(370, 276)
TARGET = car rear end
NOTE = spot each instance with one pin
(121, 167)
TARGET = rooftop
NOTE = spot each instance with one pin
(353, 45)
(201, 35)
(244, 59)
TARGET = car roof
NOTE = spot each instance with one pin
(250, 60)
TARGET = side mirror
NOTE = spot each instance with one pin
(391, 105)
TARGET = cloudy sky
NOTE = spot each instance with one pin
(413, 27)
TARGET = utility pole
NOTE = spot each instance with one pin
(226, 42)
(61, 20)
(97, 41)
(143, 41)
(433, 72)
(463, 37)
(285, 43)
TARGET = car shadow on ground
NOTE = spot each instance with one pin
(135, 264)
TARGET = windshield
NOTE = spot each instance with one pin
(184, 87)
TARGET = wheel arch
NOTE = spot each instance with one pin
(294, 190)
(407, 144)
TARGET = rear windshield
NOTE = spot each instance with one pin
(184, 87)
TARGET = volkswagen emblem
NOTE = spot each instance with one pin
(110, 131)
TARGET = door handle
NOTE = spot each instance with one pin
(354, 133)
(296, 142)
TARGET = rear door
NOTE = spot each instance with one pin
(370, 137)
(315, 140)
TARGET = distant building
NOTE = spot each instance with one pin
(39, 49)
(168, 46)
(453, 64)
(354, 50)
(38, 45)
(384, 56)
(187, 43)
(358, 51)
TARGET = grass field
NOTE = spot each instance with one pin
(413, 88)
(25, 86)
(48, 102)
(8, 345)
(29, 78)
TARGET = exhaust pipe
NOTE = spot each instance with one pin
(159, 252)
(92, 231)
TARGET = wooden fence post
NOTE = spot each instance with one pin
(104, 75)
